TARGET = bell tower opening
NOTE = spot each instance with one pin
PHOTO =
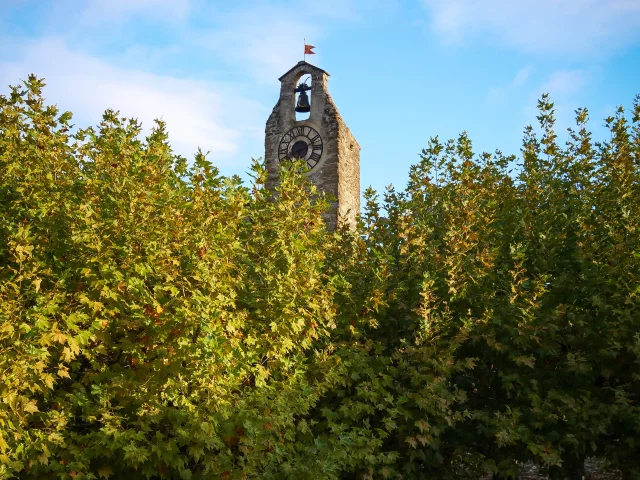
(303, 99)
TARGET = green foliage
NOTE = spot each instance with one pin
(158, 320)
(505, 305)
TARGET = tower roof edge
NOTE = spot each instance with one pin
(305, 64)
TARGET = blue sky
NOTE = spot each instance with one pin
(401, 71)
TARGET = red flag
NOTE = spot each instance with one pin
(308, 50)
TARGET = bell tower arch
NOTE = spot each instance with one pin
(323, 140)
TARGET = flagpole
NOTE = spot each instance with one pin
(304, 49)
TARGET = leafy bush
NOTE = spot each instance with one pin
(158, 320)
(504, 304)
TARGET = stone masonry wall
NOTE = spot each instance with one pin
(338, 171)
(349, 175)
(593, 471)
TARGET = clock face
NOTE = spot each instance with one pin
(301, 142)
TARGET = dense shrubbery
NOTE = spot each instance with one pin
(160, 321)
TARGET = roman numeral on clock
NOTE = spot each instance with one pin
(301, 134)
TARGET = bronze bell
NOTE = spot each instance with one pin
(303, 103)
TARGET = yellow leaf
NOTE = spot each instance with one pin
(37, 283)
(423, 426)
(66, 354)
(31, 407)
(411, 441)
(48, 380)
(105, 472)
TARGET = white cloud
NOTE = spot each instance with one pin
(212, 116)
(266, 38)
(522, 76)
(500, 94)
(349, 10)
(556, 26)
(564, 83)
(564, 88)
(266, 41)
(173, 10)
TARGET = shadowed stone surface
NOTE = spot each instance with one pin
(593, 471)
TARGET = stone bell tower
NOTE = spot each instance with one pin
(322, 139)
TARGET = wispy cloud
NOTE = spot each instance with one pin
(264, 40)
(564, 83)
(556, 26)
(565, 88)
(522, 76)
(500, 94)
(198, 114)
(246, 44)
(171, 10)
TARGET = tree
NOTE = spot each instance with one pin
(520, 290)
(158, 320)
